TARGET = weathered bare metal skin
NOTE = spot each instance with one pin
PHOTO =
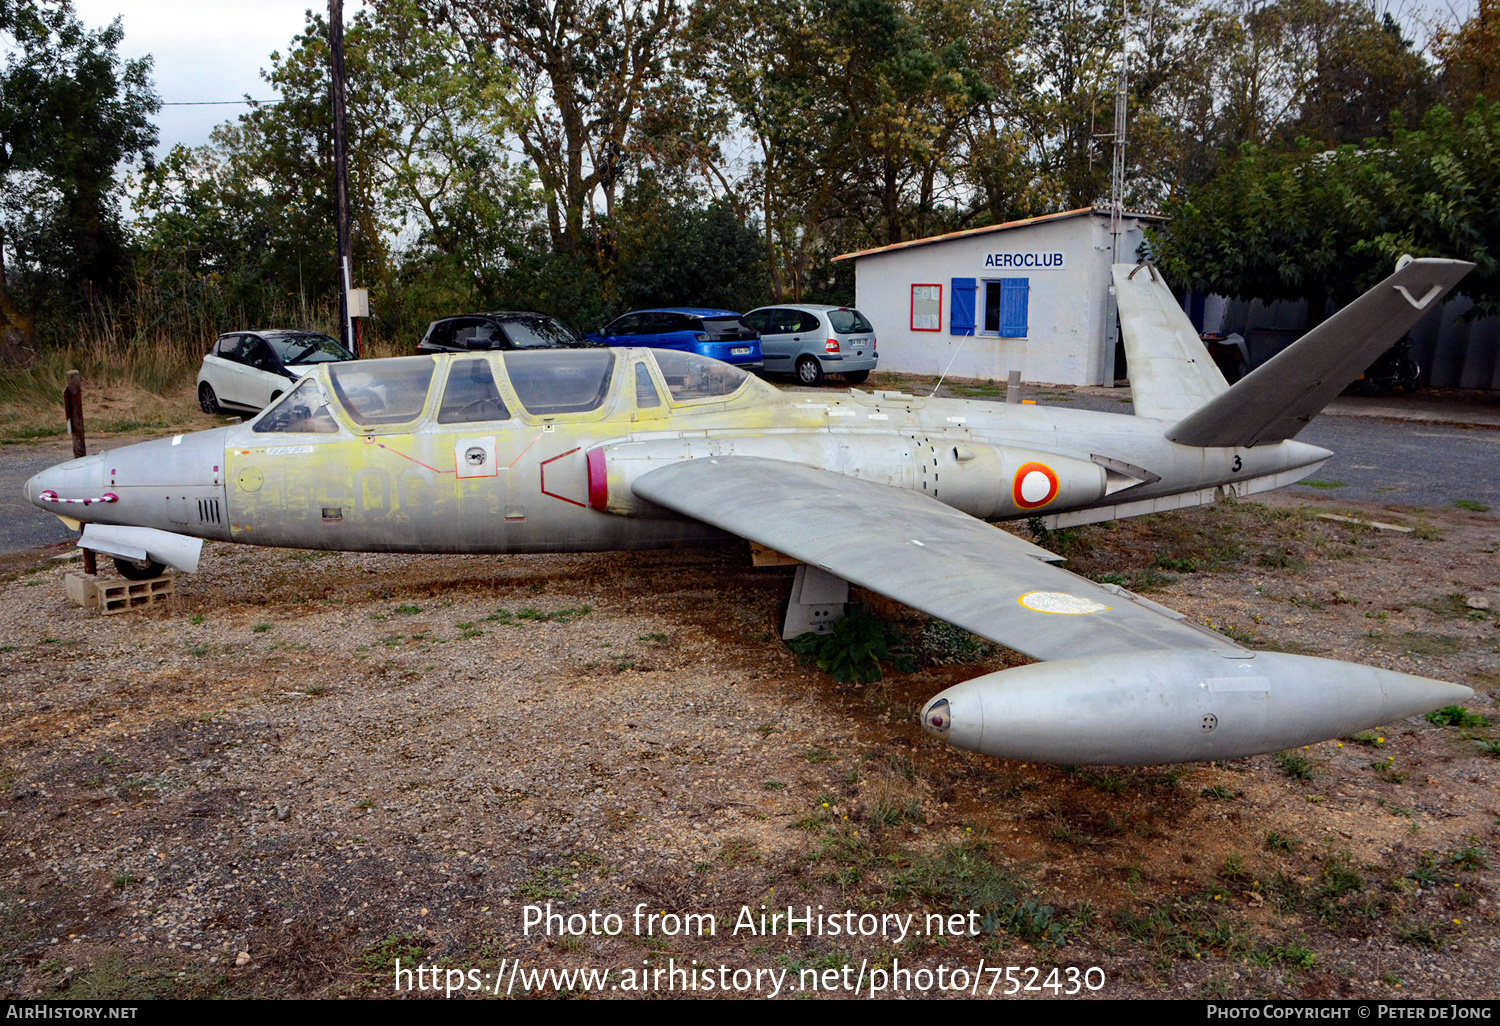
(630, 450)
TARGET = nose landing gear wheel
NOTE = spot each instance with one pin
(144, 570)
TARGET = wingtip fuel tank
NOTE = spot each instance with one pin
(1145, 708)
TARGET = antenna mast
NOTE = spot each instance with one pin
(1117, 170)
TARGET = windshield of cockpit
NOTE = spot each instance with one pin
(303, 409)
(377, 392)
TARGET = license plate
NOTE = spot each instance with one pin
(740, 351)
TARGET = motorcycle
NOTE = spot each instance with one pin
(1394, 369)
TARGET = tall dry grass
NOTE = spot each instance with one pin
(139, 361)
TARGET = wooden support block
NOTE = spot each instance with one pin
(122, 596)
(762, 556)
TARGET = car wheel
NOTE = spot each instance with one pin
(809, 371)
(857, 377)
(144, 570)
(207, 398)
(274, 396)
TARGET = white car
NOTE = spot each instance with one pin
(249, 370)
(812, 340)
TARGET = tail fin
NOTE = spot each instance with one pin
(1171, 374)
(1277, 399)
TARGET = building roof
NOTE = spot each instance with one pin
(1023, 223)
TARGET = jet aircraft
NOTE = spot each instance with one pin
(578, 450)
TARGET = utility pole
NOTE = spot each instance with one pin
(340, 166)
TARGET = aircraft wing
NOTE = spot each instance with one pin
(923, 554)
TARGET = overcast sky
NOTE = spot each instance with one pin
(208, 50)
(204, 50)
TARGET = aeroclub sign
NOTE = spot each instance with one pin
(1024, 261)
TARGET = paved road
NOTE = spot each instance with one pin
(22, 525)
(1405, 463)
(1377, 461)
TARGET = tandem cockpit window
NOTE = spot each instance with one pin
(379, 392)
(303, 409)
(552, 381)
(691, 377)
(470, 395)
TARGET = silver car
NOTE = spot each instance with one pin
(811, 341)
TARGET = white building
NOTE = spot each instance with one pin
(1028, 295)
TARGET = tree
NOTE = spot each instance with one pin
(674, 251)
(588, 73)
(70, 113)
(1330, 224)
(1470, 56)
(428, 168)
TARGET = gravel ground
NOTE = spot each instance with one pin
(317, 764)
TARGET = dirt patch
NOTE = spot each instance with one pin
(320, 764)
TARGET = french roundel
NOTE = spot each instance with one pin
(1035, 485)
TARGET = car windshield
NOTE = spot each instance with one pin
(538, 332)
(309, 347)
(690, 376)
(389, 391)
(551, 381)
(847, 322)
(303, 409)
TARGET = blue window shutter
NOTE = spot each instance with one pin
(961, 308)
(1015, 295)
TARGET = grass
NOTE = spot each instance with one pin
(1472, 859)
(1315, 483)
(963, 876)
(1279, 842)
(1471, 505)
(128, 388)
(859, 648)
(738, 851)
(1457, 716)
(1294, 765)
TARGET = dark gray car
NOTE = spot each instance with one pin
(505, 329)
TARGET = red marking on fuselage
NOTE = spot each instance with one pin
(523, 452)
(542, 469)
(397, 452)
(598, 481)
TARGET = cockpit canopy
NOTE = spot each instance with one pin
(375, 394)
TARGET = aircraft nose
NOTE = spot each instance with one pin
(76, 480)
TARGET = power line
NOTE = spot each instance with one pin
(210, 103)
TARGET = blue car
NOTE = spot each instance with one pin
(713, 333)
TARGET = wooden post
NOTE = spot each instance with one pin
(73, 410)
